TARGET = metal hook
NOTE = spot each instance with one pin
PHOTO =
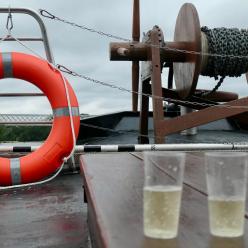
(62, 68)
(46, 14)
(9, 24)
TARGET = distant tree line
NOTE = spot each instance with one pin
(23, 133)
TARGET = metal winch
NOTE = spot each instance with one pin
(195, 51)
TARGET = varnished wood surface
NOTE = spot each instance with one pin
(114, 185)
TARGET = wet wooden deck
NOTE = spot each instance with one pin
(48, 216)
(113, 185)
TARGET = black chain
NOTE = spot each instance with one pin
(208, 93)
(226, 41)
(231, 42)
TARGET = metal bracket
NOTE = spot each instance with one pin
(146, 66)
(37, 17)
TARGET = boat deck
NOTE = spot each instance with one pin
(114, 190)
(122, 128)
(49, 215)
(55, 215)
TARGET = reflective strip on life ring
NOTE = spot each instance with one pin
(49, 157)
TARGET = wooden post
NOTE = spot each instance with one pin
(135, 64)
(158, 113)
(144, 112)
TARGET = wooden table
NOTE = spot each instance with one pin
(113, 185)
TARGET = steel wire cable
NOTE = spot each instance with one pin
(51, 16)
(213, 55)
(47, 14)
(113, 86)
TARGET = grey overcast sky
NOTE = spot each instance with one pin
(88, 53)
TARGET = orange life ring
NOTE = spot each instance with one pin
(44, 161)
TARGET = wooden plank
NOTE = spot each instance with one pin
(114, 184)
(95, 224)
(204, 116)
(111, 212)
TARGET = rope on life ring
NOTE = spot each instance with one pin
(58, 145)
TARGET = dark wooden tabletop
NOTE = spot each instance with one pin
(113, 185)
